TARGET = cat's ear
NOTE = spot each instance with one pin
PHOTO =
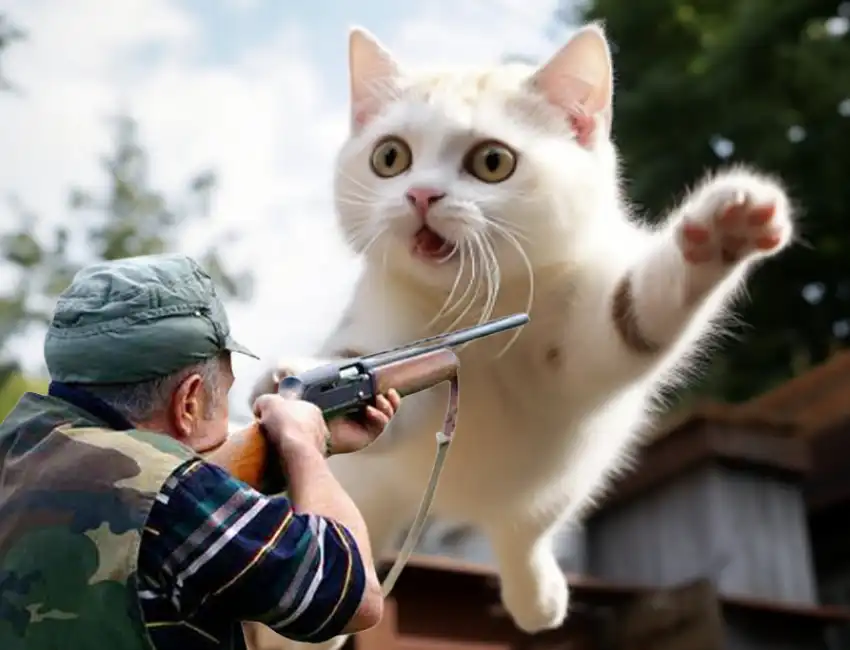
(372, 73)
(579, 80)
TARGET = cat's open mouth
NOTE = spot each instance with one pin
(430, 246)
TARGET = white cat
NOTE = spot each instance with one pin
(476, 193)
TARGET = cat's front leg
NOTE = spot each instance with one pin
(699, 260)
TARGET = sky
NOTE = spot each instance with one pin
(254, 89)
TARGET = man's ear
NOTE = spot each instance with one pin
(579, 81)
(373, 76)
(188, 403)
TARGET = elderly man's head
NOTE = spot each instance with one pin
(190, 404)
(149, 337)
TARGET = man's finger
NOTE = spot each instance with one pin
(394, 398)
(376, 418)
(384, 406)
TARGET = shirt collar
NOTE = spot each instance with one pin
(84, 400)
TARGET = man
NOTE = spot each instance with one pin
(116, 533)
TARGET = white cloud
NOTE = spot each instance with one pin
(263, 120)
(260, 121)
(474, 31)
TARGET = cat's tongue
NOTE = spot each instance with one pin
(429, 244)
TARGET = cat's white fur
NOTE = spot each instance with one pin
(544, 419)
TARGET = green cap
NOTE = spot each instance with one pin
(136, 319)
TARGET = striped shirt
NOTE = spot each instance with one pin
(216, 552)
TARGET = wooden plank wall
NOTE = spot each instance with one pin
(745, 531)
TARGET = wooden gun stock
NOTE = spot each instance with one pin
(245, 455)
(248, 456)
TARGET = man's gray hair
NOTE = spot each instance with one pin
(141, 402)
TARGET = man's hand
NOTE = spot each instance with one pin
(296, 423)
(292, 425)
(353, 434)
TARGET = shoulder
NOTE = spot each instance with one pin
(161, 444)
(198, 475)
(150, 457)
(197, 489)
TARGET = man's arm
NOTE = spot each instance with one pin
(215, 547)
(313, 488)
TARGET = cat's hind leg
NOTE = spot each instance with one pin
(534, 589)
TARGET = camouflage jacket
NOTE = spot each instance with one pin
(74, 497)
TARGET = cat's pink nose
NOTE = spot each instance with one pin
(422, 198)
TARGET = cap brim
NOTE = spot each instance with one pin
(234, 346)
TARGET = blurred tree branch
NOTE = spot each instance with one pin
(128, 218)
(9, 34)
(38, 257)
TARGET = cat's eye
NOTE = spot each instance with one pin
(491, 162)
(391, 157)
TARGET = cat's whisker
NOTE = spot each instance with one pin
(460, 250)
(512, 240)
(494, 278)
(355, 201)
(466, 247)
(474, 285)
(360, 231)
(370, 192)
(514, 229)
(372, 241)
(488, 278)
(485, 280)
(354, 193)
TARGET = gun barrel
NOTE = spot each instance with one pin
(451, 340)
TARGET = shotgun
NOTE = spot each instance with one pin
(345, 387)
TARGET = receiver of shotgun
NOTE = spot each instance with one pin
(347, 387)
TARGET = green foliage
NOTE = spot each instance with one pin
(13, 384)
(9, 34)
(129, 218)
(773, 80)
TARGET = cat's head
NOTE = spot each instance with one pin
(448, 169)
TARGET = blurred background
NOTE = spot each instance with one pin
(210, 127)
(204, 127)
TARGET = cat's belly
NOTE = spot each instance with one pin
(510, 448)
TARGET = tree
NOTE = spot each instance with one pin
(129, 218)
(9, 34)
(706, 83)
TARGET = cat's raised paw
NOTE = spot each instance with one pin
(731, 220)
